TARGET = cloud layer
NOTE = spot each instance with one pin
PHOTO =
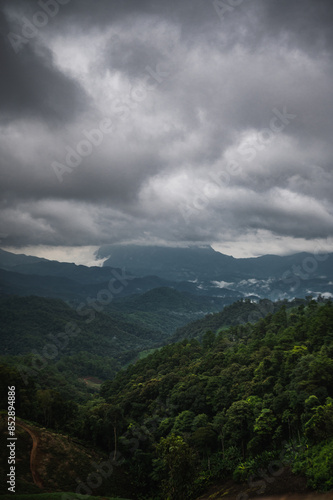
(191, 122)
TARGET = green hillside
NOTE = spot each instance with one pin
(165, 298)
(243, 406)
(239, 401)
(240, 312)
(57, 463)
(50, 341)
(31, 323)
(166, 309)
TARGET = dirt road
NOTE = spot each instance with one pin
(33, 468)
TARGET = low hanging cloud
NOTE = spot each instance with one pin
(172, 123)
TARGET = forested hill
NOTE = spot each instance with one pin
(232, 404)
(52, 330)
(242, 405)
(241, 312)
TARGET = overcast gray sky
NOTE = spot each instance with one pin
(189, 122)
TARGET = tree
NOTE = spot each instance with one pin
(265, 423)
(200, 420)
(320, 425)
(208, 340)
(204, 440)
(184, 421)
(45, 400)
(176, 467)
(238, 422)
(114, 415)
(219, 424)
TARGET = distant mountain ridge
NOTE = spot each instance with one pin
(24, 264)
(160, 305)
(204, 262)
(197, 270)
(268, 276)
(9, 260)
(167, 262)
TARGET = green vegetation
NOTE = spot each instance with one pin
(240, 402)
(317, 462)
(32, 323)
(165, 309)
(238, 399)
(239, 313)
(62, 463)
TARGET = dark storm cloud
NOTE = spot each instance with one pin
(191, 89)
(306, 23)
(31, 85)
(130, 57)
(189, 13)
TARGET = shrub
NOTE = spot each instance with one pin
(252, 466)
(317, 464)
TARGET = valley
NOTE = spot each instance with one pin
(112, 365)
